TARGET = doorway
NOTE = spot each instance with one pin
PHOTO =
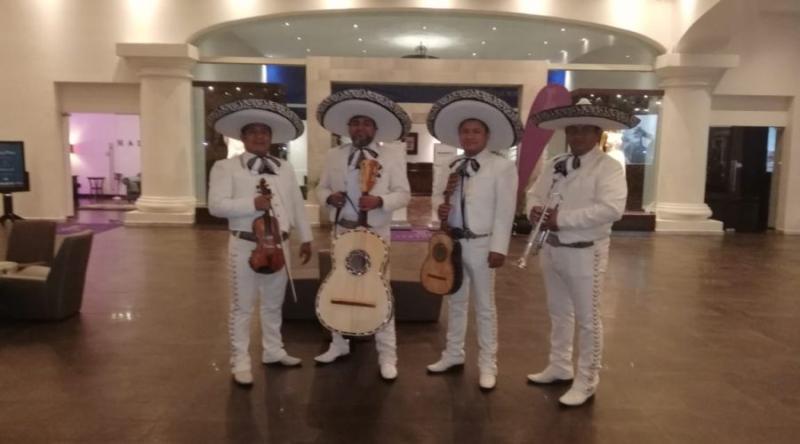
(739, 176)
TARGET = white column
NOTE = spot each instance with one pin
(788, 212)
(168, 194)
(682, 152)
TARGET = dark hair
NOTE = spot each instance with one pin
(251, 125)
(473, 119)
(374, 123)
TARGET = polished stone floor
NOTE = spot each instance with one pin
(702, 345)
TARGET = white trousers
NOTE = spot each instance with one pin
(247, 287)
(478, 282)
(385, 338)
(573, 278)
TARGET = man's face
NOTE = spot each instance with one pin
(257, 138)
(362, 130)
(582, 138)
(472, 136)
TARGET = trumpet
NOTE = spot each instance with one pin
(538, 236)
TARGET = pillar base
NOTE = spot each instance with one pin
(685, 218)
(708, 226)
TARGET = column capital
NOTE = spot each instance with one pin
(692, 70)
(160, 59)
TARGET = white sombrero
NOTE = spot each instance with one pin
(448, 112)
(230, 118)
(584, 113)
(335, 112)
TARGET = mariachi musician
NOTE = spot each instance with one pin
(234, 194)
(480, 213)
(593, 191)
(368, 119)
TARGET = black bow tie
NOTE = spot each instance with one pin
(265, 166)
(463, 165)
(560, 167)
(360, 150)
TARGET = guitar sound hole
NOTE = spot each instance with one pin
(357, 262)
(439, 252)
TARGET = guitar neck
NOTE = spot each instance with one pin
(362, 215)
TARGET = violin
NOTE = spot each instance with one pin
(267, 257)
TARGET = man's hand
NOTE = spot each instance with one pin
(496, 260)
(262, 201)
(305, 252)
(551, 223)
(444, 211)
(337, 199)
(366, 203)
(536, 213)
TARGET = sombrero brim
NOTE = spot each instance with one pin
(229, 119)
(448, 113)
(335, 112)
(601, 116)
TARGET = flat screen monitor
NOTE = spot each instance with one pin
(13, 176)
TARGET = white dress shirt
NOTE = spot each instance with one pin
(233, 188)
(592, 196)
(392, 185)
(490, 196)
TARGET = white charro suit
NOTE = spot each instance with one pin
(392, 187)
(592, 197)
(490, 198)
(232, 189)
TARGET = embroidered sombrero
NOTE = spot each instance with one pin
(335, 112)
(584, 113)
(228, 119)
(448, 112)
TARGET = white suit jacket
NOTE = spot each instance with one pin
(392, 185)
(592, 197)
(490, 195)
(232, 188)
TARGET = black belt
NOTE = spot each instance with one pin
(460, 233)
(555, 242)
(349, 224)
(248, 236)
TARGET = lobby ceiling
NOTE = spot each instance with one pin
(445, 35)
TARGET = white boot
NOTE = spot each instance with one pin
(334, 351)
(388, 372)
(286, 361)
(577, 395)
(444, 365)
(243, 377)
(550, 375)
(487, 381)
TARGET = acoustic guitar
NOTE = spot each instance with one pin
(441, 272)
(355, 298)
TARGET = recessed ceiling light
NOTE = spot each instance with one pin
(360, 39)
(308, 49)
(363, 51)
(424, 28)
(627, 56)
(545, 42)
(619, 96)
(494, 28)
(355, 25)
(529, 54)
(474, 54)
(286, 24)
(563, 29)
(299, 38)
(211, 88)
(238, 88)
(483, 42)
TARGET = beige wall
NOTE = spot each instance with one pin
(46, 43)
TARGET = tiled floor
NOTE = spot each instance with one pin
(702, 339)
